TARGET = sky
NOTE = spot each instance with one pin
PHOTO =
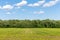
(29, 9)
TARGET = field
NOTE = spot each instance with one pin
(29, 33)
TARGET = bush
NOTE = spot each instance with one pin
(29, 23)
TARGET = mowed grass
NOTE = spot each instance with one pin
(29, 33)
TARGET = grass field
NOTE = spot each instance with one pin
(29, 33)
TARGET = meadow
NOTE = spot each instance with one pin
(29, 33)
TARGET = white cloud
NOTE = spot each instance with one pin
(23, 9)
(0, 7)
(7, 7)
(51, 3)
(33, 5)
(39, 12)
(22, 3)
(8, 13)
(37, 4)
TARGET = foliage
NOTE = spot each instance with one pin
(30, 23)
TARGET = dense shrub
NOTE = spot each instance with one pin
(30, 23)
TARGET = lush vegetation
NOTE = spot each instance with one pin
(29, 33)
(30, 23)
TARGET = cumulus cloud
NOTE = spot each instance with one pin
(33, 5)
(39, 12)
(50, 3)
(6, 7)
(37, 3)
(22, 3)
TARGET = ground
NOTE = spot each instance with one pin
(29, 33)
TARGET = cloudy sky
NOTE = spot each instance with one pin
(30, 9)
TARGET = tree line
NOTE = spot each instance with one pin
(30, 23)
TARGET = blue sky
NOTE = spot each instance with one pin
(30, 9)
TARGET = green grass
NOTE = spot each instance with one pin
(29, 33)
